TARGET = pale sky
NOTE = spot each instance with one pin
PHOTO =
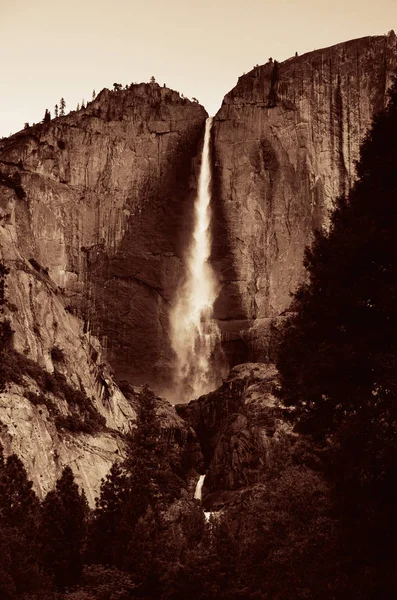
(50, 49)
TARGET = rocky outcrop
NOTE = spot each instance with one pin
(99, 199)
(52, 345)
(92, 212)
(236, 426)
(285, 143)
(54, 341)
(30, 432)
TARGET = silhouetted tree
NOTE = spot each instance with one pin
(117, 87)
(56, 111)
(143, 482)
(47, 116)
(93, 95)
(104, 540)
(340, 350)
(63, 530)
(62, 106)
(20, 570)
(338, 359)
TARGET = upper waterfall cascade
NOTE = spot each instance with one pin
(195, 335)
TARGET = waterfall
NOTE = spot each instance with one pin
(199, 487)
(195, 336)
(198, 494)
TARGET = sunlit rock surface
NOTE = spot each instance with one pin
(285, 143)
(29, 432)
(106, 208)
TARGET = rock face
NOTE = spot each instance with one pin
(29, 431)
(93, 208)
(285, 142)
(95, 216)
(236, 425)
(101, 199)
(44, 331)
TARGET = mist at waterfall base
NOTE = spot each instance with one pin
(195, 336)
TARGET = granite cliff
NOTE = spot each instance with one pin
(101, 204)
(95, 212)
(91, 210)
(285, 144)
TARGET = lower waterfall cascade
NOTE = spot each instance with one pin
(198, 496)
(195, 335)
(199, 487)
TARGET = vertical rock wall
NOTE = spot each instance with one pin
(103, 205)
(285, 143)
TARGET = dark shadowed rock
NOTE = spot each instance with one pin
(235, 425)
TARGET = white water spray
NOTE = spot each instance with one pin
(198, 496)
(199, 488)
(194, 333)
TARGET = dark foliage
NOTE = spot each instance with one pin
(84, 417)
(341, 347)
(338, 362)
(13, 182)
(20, 569)
(47, 116)
(36, 265)
(133, 495)
(57, 354)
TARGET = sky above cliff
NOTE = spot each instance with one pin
(51, 49)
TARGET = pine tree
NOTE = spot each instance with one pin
(147, 462)
(93, 95)
(18, 502)
(63, 530)
(56, 111)
(144, 483)
(47, 116)
(62, 106)
(103, 542)
(19, 517)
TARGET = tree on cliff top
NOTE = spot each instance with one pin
(47, 116)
